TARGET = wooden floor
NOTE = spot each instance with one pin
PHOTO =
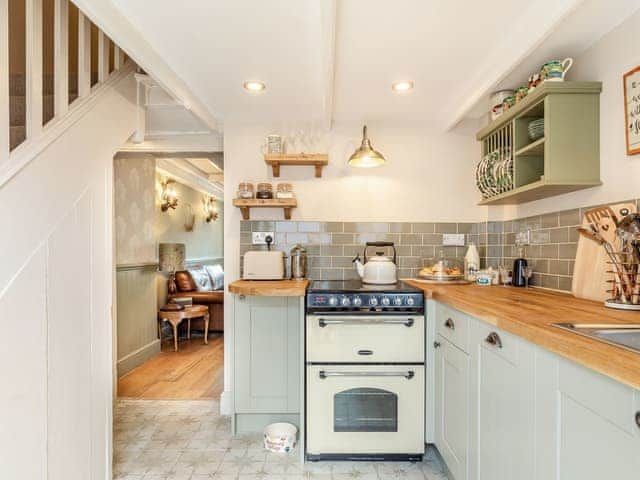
(195, 371)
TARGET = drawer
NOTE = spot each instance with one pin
(497, 341)
(453, 325)
(365, 339)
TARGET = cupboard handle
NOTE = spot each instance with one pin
(494, 339)
(409, 374)
(436, 344)
(638, 419)
(365, 352)
(323, 322)
(449, 324)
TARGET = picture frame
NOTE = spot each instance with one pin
(631, 86)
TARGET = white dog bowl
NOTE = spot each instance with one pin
(280, 437)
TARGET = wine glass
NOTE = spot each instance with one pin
(528, 273)
(504, 275)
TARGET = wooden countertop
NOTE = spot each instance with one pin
(529, 314)
(269, 288)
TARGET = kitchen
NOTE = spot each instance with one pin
(502, 367)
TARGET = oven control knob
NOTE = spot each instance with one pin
(357, 301)
(410, 301)
(397, 301)
(373, 301)
(346, 301)
(385, 301)
(333, 301)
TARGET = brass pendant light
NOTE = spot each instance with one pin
(366, 156)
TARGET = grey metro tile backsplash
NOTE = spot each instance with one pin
(332, 245)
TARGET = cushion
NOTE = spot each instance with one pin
(185, 282)
(217, 276)
(201, 279)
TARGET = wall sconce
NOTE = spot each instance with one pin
(210, 209)
(169, 198)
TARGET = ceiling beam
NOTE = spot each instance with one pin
(525, 34)
(182, 171)
(328, 38)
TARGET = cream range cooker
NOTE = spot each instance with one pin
(365, 375)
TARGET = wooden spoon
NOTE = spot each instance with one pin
(607, 229)
(593, 215)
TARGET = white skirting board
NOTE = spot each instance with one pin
(226, 403)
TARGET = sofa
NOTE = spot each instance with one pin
(213, 299)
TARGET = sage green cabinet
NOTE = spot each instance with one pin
(587, 425)
(514, 411)
(267, 360)
(502, 435)
(452, 410)
(565, 159)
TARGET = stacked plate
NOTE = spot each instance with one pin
(536, 129)
(494, 173)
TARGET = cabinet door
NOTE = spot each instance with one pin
(503, 445)
(591, 424)
(452, 407)
(267, 354)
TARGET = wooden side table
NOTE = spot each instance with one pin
(177, 316)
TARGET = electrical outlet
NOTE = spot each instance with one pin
(523, 238)
(453, 239)
(259, 238)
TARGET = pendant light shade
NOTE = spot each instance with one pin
(365, 156)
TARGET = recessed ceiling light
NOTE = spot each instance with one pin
(254, 87)
(402, 87)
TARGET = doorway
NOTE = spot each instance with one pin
(169, 248)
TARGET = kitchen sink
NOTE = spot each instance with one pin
(624, 335)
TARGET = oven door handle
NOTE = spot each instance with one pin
(409, 374)
(407, 322)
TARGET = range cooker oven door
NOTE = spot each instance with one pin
(356, 411)
(365, 338)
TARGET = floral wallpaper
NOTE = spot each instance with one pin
(134, 182)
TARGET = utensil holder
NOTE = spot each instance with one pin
(626, 282)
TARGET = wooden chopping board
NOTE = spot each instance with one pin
(590, 270)
(441, 282)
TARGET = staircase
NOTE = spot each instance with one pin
(18, 105)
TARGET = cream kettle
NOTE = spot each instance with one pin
(378, 270)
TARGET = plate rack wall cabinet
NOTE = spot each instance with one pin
(558, 153)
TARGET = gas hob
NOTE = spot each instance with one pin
(355, 297)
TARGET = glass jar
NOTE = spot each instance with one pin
(265, 190)
(284, 190)
(245, 190)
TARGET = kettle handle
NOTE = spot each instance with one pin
(380, 244)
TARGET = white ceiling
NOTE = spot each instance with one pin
(455, 52)
(217, 45)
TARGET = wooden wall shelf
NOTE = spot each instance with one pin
(317, 160)
(245, 205)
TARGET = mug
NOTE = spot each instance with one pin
(509, 102)
(521, 92)
(555, 70)
(534, 81)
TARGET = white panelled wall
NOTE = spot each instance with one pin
(56, 359)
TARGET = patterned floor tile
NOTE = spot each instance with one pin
(190, 440)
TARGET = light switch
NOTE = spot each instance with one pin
(453, 239)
